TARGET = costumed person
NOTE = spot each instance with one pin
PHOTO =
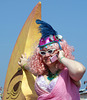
(58, 74)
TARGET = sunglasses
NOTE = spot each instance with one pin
(48, 51)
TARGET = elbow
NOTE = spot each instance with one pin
(80, 73)
(81, 70)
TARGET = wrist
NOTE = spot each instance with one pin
(24, 66)
(60, 60)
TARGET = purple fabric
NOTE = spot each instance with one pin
(44, 85)
(64, 89)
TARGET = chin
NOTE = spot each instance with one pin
(49, 63)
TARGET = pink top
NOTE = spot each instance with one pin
(64, 89)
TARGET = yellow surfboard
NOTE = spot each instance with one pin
(19, 84)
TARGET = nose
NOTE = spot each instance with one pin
(47, 54)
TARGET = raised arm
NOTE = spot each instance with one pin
(76, 69)
(24, 62)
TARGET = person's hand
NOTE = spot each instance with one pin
(23, 61)
(60, 54)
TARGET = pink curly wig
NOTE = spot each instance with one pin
(36, 65)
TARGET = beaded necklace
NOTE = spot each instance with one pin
(52, 76)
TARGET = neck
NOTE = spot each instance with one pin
(53, 68)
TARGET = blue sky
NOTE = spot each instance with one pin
(68, 18)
